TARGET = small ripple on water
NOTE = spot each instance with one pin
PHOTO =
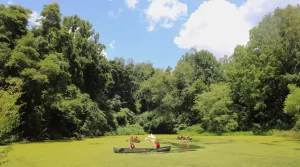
(269, 143)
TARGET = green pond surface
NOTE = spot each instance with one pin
(221, 151)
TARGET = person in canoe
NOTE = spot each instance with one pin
(157, 144)
(184, 137)
(136, 138)
(131, 138)
(132, 146)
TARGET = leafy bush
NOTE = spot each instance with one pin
(135, 129)
(9, 116)
(216, 109)
(241, 133)
(291, 133)
(297, 126)
(151, 121)
(125, 117)
(192, 130)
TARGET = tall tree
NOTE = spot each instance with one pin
(262, 70)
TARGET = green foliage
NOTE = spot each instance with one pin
(205, 65)
(290, 134)
(60, 85)
(215, 109)
(145, 120)
(51, 17)
(80, 113)
(125, 117)
(124, 85)
(260, 72)
(292, 102)
(134, 129)
(192, 130)
(9, 116)
(183, 74)
(152, 92)
(13, 22)
(297, 125)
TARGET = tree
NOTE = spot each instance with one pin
(9, 114)
(13, 22)
(259, 73)
(205, 65)
(215, 108)
(292, 104)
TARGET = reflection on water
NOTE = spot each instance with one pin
(183, 147)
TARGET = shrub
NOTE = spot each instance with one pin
(192, 130)
(134, 129)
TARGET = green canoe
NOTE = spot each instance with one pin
(135, 141)
(178, 137)
(141, 150)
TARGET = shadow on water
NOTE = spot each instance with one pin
(219, 142)
(180, 147)
(164, 142)
(297, 149)
(95, 143)
(295, 140)
(175, 139)
(49, 141)
(276, 141)
(270, 144)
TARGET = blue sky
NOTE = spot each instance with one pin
(216, 25)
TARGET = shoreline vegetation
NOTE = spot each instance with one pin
(55, 82)
(276, 133)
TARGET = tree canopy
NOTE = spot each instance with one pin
(54, 79)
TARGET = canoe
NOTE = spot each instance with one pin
(135, 141)
(141, 150)
(178, 137)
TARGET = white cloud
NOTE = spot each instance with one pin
(218, 25)
(167, 24)
(10, 2)
(33, 19)
(115, 15)
(131, 3)
(112, 44)
(164, 12)
(111, 14)
(254, 10)
(150, 27)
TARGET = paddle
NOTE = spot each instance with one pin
(40, 133)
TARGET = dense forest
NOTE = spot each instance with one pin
(55, 82)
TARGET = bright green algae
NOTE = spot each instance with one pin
(225, 151)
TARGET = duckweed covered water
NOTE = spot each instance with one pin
(202, 151)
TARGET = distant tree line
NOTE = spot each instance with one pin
(55, 77)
